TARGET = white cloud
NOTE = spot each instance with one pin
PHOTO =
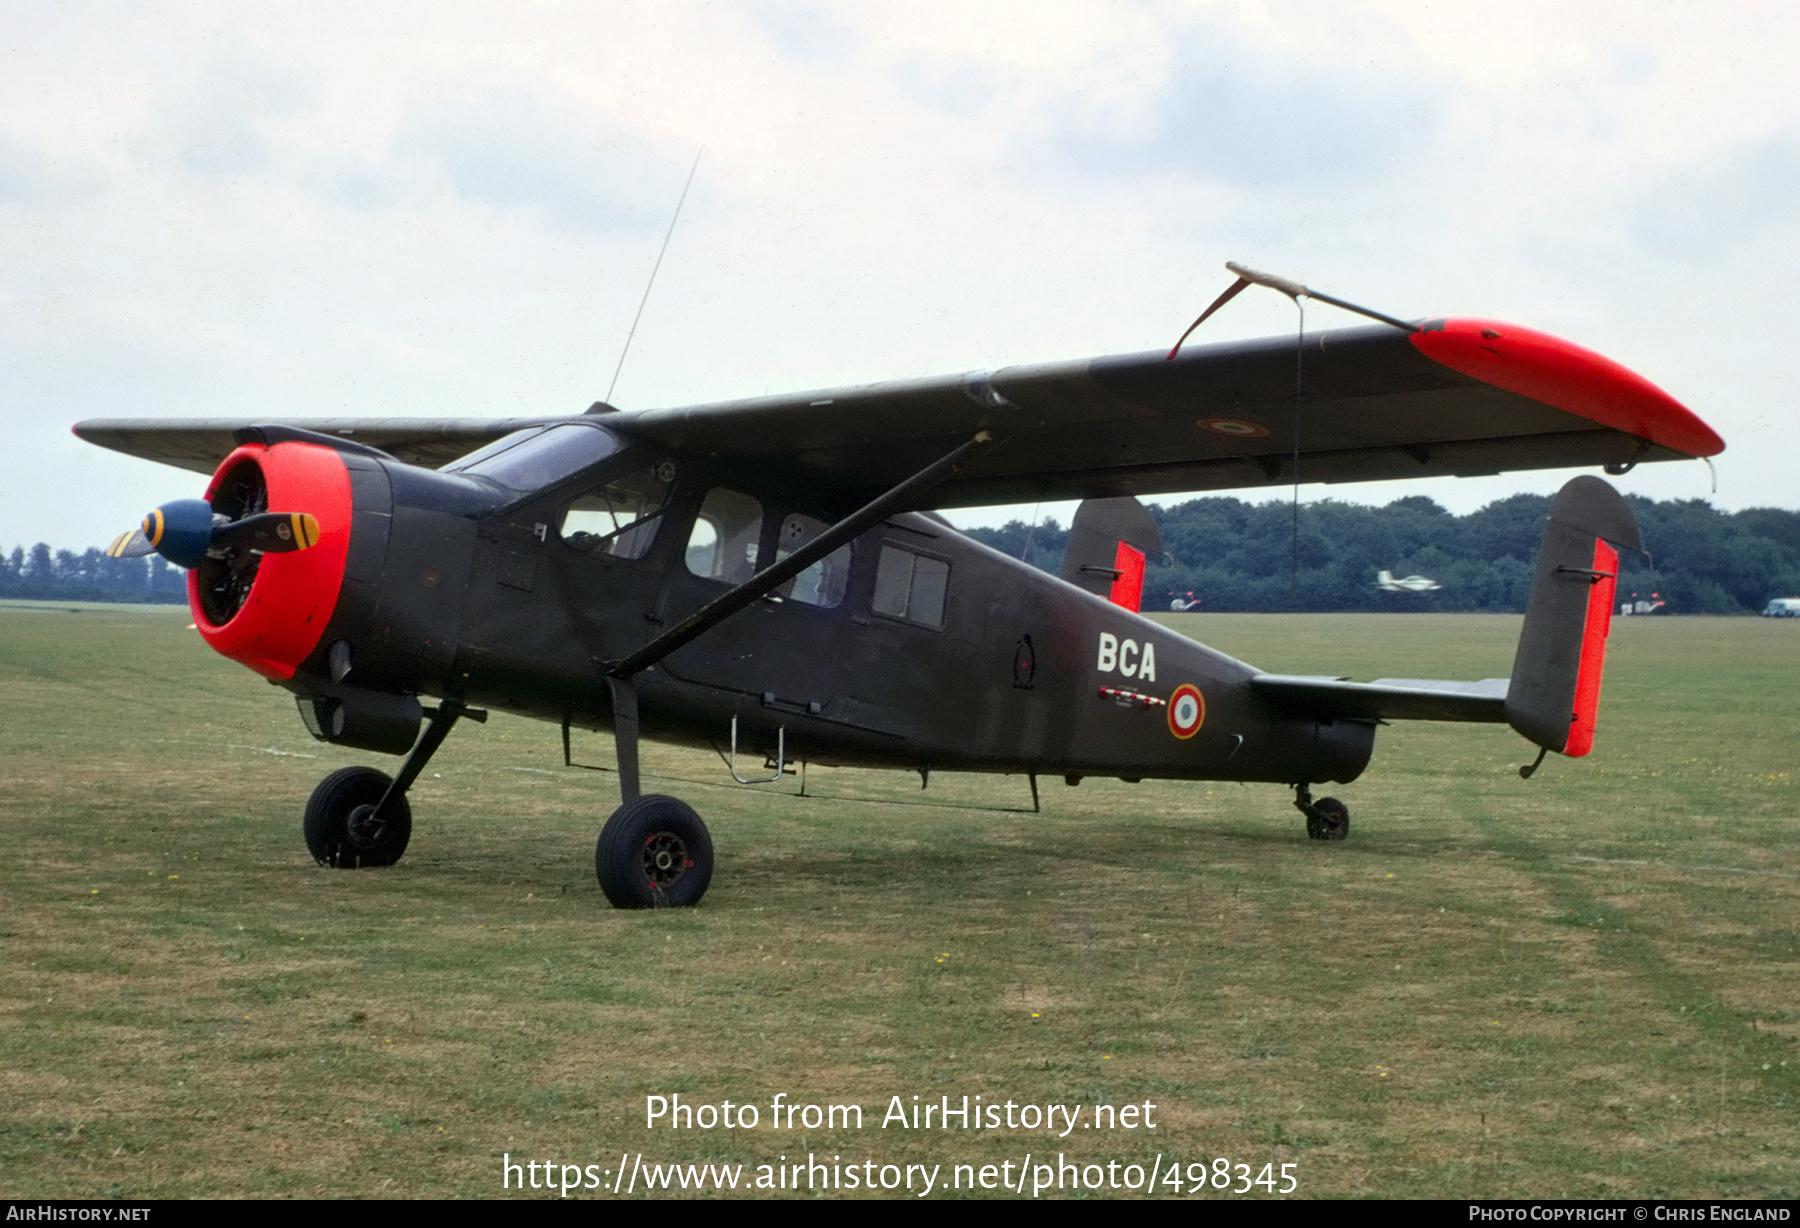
(395, 209)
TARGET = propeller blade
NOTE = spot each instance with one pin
(132, 545)
(183, 531)
(269, 533)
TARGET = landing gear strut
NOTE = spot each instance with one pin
(654, 852)
(1326, 819)
(359, 817)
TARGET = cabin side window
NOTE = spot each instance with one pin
(910, 586)
(620, 518)
(724, 541)
(823, 583)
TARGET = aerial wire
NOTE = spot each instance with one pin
(1294, 290)
(1025, 554)
(1294, 528)
(653, 270)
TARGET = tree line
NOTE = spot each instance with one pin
(1236, 556)
(41, 574)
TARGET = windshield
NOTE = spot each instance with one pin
(491, 449)
(531, 459)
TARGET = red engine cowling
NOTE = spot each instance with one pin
(268, 611)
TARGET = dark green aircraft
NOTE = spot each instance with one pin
(768, 576)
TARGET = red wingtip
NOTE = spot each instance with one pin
(1571, 378)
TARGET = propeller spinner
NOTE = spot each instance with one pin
(184, 530)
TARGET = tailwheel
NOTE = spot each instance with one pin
(1329, 820)
(1326, 819)
(341, 826)
(654, 852)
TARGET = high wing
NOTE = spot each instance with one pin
(200, 444)
(1453, 397)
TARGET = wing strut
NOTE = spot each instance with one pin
(1247, 277)
(772, 577)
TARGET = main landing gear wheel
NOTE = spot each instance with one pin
(340, 824)
(654, 853)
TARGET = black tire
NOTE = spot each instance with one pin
(1329, 819)
(654, 852)
(337, 826)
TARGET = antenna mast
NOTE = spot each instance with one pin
(653, 270)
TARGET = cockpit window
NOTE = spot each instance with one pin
(492, 449)
(620, 518)
(532, 459)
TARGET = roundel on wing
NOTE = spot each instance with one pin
(1187, 709)
(1234, 426)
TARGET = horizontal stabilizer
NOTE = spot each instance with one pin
(1392, 699)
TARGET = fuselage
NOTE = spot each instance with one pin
(913, 646)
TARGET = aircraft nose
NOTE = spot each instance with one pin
(266, 582)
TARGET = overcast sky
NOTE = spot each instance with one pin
(367, 209)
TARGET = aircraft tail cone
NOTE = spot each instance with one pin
(1555, 688)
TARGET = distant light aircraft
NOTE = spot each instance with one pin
(767, 576)
(1182, 606)
(1409, 584)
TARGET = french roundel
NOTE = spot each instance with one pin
(1187, 709)
(1234, 426)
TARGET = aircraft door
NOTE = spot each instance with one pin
(781, 651)
(571, 579)
(603, 553)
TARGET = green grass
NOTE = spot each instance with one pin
(1580, 985)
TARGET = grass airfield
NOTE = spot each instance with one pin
(1583, 985)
